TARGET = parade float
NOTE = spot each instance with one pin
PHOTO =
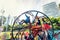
(33, 23)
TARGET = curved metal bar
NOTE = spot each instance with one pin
(32, 11)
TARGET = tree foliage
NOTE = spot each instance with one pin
(55, 21)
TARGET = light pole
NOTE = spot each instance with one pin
(2, 11)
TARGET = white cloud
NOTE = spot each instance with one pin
(16, 7)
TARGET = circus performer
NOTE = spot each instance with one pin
(37, 20)
(27, 20)
(45, 28)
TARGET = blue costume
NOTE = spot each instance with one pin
(27, 20)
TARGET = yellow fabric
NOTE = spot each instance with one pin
(36, 38)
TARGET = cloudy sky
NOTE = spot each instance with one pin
(16, 7)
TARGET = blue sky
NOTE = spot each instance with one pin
(16, 7)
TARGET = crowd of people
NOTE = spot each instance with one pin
(38, 29)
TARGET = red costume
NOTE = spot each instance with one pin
(46, 26)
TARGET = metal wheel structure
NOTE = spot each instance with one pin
(32, 14)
